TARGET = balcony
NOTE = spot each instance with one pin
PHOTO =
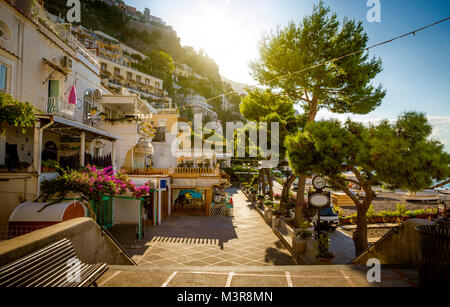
(179, 172)
(57, 106)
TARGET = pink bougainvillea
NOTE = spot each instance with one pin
(93, 184)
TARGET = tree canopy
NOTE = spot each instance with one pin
(305, 61)
(401, 155)
(342, 86)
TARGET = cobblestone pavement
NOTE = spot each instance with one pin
(241, 240)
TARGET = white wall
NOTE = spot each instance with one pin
(164, 157)
(126, 211)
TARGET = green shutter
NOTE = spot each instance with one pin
(3, 71)
(53, 88)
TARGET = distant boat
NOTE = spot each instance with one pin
(426, 196)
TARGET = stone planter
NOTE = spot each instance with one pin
(298, 245)
(276, 222)
(268, 215)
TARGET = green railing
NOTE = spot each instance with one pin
(103, 210)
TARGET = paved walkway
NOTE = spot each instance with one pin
(239, 251)
(241, 240)
(257, 276)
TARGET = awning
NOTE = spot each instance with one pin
(72, 128)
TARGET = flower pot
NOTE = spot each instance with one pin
(378, 219)
(344, 221)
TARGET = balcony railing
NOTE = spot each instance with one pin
(176, 172)
(57, 106)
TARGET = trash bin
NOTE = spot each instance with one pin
(435, 256)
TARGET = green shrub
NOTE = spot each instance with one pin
(268, 203)
(370, 212)
(50, 163)
(304, 234)
(323, 246)
(401, 208)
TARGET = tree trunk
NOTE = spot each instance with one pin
(285, 193)
(270, 182)
(300, 203)
(263, 181)
(360, 235)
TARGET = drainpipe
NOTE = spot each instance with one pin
(82, 149)
(37, 154)
(113, 154)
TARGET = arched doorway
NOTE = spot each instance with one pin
(50, 152)
(88, 103)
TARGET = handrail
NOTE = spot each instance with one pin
(367, 250)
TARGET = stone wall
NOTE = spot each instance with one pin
(400, 246)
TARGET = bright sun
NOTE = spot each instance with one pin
(212, 26)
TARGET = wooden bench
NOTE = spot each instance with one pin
(56, 265)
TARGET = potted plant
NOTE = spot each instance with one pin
(324, 256)
(260, 200)
(103, 115)
(49, 166)
(93, 110)
(268, 204)
(252, 194)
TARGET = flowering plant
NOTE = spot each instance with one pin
(92, 184)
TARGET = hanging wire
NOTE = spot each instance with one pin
(335, 59)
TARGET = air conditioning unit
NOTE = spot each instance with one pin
(67, 63)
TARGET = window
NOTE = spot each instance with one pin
(157, 84)
(162, 122)
(138, 78)
(117, 71)
(53, 88)
(129, 76)
(147, 81)
(104, 66)
(3, 77)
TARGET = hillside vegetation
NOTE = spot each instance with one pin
(162, 46)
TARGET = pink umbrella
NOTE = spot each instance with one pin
(73, 95)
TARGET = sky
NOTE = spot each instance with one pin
(416, 69)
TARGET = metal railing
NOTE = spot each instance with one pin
(176, 172)
(57, 106)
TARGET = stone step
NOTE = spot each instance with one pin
(252, 276)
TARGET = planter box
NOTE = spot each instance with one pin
(302, 250)
(268, 215)
(276, 221)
